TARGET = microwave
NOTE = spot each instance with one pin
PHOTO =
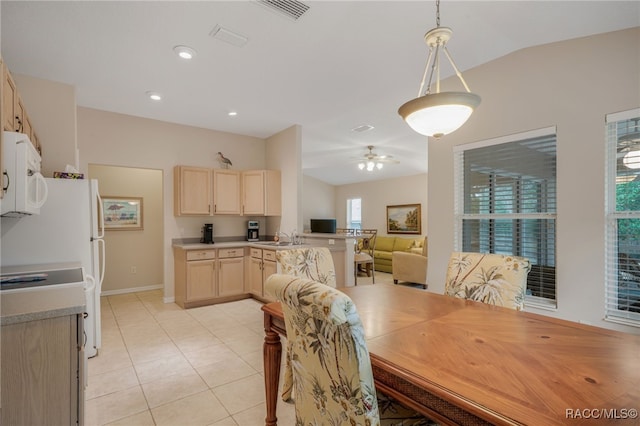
(24, 187)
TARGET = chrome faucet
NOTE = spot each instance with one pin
(293, 237)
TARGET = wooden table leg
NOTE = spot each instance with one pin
(272, 353)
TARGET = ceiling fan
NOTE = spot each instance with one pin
(373, 161)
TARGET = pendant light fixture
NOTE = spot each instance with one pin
(438, 113)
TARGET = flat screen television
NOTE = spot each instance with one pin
(324, 226)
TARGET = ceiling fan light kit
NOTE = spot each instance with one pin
(374, 161)
(439, 113)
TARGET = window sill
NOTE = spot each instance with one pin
(540, 303)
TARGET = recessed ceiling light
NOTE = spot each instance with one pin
(154, 96)
(232, 113)
(185, 52)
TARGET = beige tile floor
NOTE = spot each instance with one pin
(163, 365)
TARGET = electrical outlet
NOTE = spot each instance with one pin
(134, 270)
(332, 242)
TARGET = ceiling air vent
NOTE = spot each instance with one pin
(293, 9)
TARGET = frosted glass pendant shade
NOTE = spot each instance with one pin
(439, 114)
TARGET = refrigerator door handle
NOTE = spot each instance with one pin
(102, 264)
(101, 225)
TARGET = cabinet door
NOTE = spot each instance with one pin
(192, 191)
(268, 268)
(253, 192)
(9, 103)
(255, 276)
(21, 124)
(201, 280)
(38, 372)
(231, 276)
(226, 192)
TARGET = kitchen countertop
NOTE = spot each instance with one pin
(268, 245)
(38, 303)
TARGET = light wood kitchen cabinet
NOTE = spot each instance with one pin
(262, 264)
(2, 92)
(195, 277)
(9, 101)
(191, 191)
(208, 276)
(261, 193)
(230, 272)
(42, 372)
(226, 191)
(14, 114)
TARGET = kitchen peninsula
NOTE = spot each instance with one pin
(206, 274)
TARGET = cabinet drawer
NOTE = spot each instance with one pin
(230, 252)
(201, 254)
(269, 255)
(257, 253)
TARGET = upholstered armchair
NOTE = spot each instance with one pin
(332, 375)
(495, 279)
(410, 267)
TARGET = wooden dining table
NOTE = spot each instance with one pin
(468, 363)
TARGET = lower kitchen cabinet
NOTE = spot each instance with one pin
(231, 272)
(201, 280)
(262, 264)
(42, 372)
(208, 276)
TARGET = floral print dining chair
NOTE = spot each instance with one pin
(315, 263)
(332, 374)
(310, 262)
(489, 278)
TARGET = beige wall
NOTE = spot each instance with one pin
(115, 139)
(284, 153)
(319, 201)
(139, 249)
(52, 109)
(571, 85)
(377, 195)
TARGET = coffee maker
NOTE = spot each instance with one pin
(207, 233)
(253, 228)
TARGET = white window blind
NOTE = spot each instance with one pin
(622, 276)
(506, 204)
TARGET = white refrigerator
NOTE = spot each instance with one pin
(65, 232)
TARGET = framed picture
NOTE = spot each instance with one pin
(404, 219)
(122, 213)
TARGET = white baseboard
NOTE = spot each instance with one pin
(132, 290)
(168, 299)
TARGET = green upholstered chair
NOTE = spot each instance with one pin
(315, 263)
(332, 375)
(489, 278)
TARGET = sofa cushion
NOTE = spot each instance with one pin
(385, 243)
(402, 244)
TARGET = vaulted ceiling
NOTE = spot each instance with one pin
(341, 65)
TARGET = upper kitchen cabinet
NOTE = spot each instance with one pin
(14, 113)
(9, 106)
(261, 193)
(226, 191)
(191, 191)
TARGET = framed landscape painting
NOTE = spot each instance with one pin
(404, 219)
(122, 213)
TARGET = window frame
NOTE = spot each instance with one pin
(612, 217)
(350, 224)
(459, 207)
